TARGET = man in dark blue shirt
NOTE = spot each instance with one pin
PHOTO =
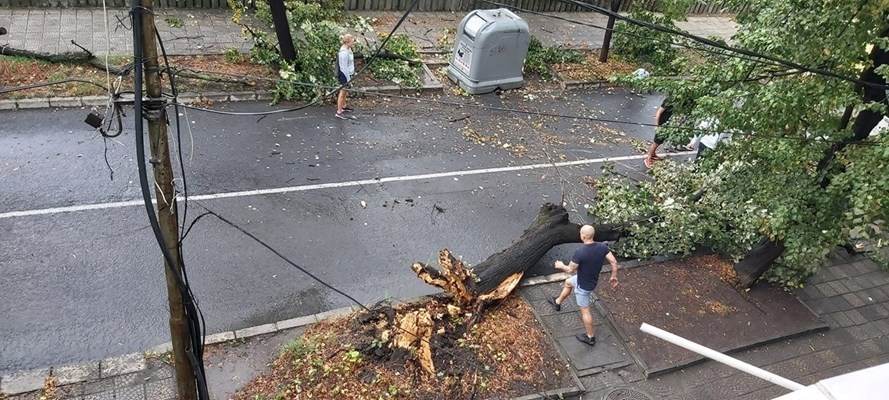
(587, 261)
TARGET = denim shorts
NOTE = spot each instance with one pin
(582, 296)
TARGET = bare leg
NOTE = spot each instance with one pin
(652, 150)
(566, 290)
(341, 101)
(587, 318)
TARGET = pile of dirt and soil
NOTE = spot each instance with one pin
(506, 355)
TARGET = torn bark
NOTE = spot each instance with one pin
(82, 57)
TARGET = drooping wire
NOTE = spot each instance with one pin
(50, 83)
(630, 34)
(694, 130)
(193, 323)
(713, 43)
(199, 345)
(351, 298)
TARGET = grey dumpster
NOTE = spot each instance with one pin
(490, 51)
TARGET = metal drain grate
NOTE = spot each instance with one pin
(626, 394)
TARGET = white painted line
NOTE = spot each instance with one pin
(304, 188)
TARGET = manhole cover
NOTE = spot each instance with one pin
(626, 394)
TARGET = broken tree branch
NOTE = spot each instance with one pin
(498, 275)
(81, 57)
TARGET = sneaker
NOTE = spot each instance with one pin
(341, 116)
(348, 109)
(649, 162)
(583, 338)
(556, 306)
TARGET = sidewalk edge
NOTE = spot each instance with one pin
(26, 381)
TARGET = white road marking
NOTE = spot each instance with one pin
(304, 188)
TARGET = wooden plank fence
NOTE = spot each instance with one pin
(112, 3)
(701, 7)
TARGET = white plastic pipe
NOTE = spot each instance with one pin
(715, 355)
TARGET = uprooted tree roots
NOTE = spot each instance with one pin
(385, 352)
(495, 278)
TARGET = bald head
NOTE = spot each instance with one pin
(587, 232)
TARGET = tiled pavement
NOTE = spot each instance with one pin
(184, 31)
(851, 294)
(194, 31)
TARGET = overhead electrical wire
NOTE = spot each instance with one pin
(630, 34)
(202, 323)
(490, 108)
(223, 219)
(194, 349)
(328, 285)
(50, 83)
(713, 43)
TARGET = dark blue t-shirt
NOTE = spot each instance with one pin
(590, 258)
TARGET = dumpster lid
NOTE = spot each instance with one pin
(474, 24)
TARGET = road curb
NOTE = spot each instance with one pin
(26, 381)
(102, 101)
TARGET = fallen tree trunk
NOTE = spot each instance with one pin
(497, 276)
(82, 57)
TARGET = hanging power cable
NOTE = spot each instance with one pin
(460, 104)
(194, 348)
(713, 43)
(631, 34)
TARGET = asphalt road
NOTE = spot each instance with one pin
(81, 283)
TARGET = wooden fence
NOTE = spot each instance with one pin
(113, 3)
(701, 7)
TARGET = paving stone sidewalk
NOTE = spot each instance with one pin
(184, 31)
(195, 31)
(851, 294)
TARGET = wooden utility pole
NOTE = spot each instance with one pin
(606, 43)
(168, 218)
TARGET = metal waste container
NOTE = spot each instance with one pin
(490, 51)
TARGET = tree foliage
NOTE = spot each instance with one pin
(783, 121)
(317, 28)
(643, 45)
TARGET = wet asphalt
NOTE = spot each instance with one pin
(84, 285)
